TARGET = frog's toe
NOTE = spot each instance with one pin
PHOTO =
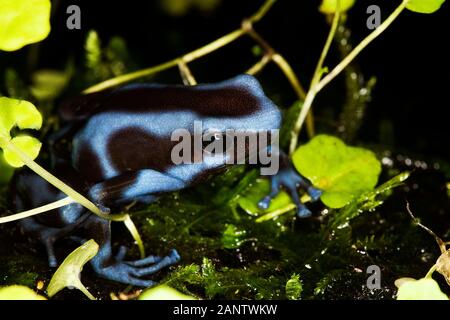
(49, 246)
(303, 212)
(264, 203)
(314, 193)
(121, 253)
(174, 255)
(168, 260)
(137, 282)
(124, 273)
(146, 261)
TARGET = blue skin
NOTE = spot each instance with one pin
(110, 134)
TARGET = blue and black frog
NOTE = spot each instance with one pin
(120, 152)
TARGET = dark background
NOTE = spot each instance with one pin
(410, 60)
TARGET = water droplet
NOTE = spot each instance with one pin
(387, 162)
(344, 225)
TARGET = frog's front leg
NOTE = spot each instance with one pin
(115, 267)
(290, 180)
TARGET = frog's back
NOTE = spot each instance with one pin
(131, 128)
(239, 96)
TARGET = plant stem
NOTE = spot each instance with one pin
(431, 271)
(189, 57)
(289, 73)
(352, 55)
(83, 289)
(135, 234)
(257, 67)
(315, 80)
(35, 211)
(284, 66)
(282, 63)
(186, 74)
(59, 184)
(338, 69)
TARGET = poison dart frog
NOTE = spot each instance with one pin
(120, 152)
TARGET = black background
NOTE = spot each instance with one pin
(410, 60)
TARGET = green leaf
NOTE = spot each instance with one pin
(48, 84)
(23, 114)
(23, 22)
(424, 6)
(340, 171)
(164, 292)
(422, 289)
(232, 237)
(68, 273)
(19, 293)
(294, 287)
(31, 146)
(18, 112)
(330, 6)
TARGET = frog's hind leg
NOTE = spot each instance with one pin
(132, 186)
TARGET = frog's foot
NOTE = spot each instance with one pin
(134, 272)
(288, 179)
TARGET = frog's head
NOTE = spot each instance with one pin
(241, 113)
(215, 115)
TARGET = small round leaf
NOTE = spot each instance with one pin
(422, 289)
(31, 146)
(424, 6)
(18, 112)
(19, 293)
(340, 171)
(23, 22)
(164, 292)
(330, 6)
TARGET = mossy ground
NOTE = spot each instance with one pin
(193, 221)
